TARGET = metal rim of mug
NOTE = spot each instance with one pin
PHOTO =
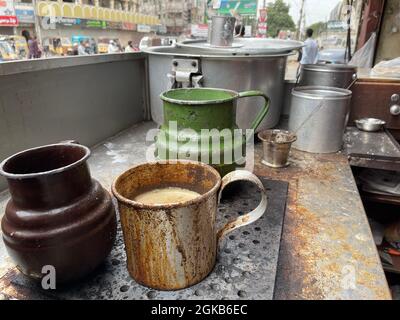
(311, 92)
(139, 205)
(235, 95)
(330, 68)
(289, 133)
(43, 173)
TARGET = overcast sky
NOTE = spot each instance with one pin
(316, 10)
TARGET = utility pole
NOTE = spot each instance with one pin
(38, 26)
(348, 39)
(298, 33)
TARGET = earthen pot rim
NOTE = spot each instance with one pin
(139, 205)
(21, 176)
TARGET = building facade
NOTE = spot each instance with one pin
(176, 15)
(113, 19)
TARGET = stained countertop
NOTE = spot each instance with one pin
(327, 249)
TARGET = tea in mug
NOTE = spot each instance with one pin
(166, 196)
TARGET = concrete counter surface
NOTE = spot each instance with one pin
(327, 249)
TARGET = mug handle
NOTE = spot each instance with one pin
(260, 117)
(253, 216)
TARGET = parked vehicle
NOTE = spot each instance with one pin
(92, 48)
(333, 56)
(18, 44)
(104, 42)
(6, 51)
(57, 46)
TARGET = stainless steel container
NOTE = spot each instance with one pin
(328, 75)
(222, 31)
(251, 64)
(370, 124)
(276, 145)
(318, 117)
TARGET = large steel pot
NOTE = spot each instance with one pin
(328, 75)
(240, 69)
(319, 116)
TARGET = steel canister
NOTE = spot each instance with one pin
(318, 116)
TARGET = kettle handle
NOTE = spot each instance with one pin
(260, 117)
(253, 216)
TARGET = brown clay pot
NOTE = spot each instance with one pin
(58, 215)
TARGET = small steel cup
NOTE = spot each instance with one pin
(277, 145)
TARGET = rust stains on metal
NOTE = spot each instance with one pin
(173, 246)
(322, 271)
(327, 250)
(11, 288)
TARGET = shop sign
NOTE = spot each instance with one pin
(68, 22)
(262, 23)
(25, 13)
(128, 26)
(143, 28)
(7, 14)
(96, 24)
(114, 25)
(241, 7)
(337, 25)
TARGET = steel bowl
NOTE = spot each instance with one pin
(370, 124)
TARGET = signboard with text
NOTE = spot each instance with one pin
(68, 22)
(128, 26)
(242, 7)
(25, 13)
(199, 30)
(114, 25)
(337, 25)
(262, 24)
(143, 28)
(7, 14)
(96, 24)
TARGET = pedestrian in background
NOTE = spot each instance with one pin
(240, 31)
(112, 47)
(82, 49)
(129, 47)
(309, 54)
(33, 46)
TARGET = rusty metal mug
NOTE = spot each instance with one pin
(174, 246)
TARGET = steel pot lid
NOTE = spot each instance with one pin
(206, 51)
(330, 68)
(256, 46)
(319, 93)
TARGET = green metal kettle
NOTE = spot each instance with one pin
(200, 124)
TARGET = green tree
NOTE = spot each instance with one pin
(318, 28)
(279, 18)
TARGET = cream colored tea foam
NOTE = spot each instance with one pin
(166, 196)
